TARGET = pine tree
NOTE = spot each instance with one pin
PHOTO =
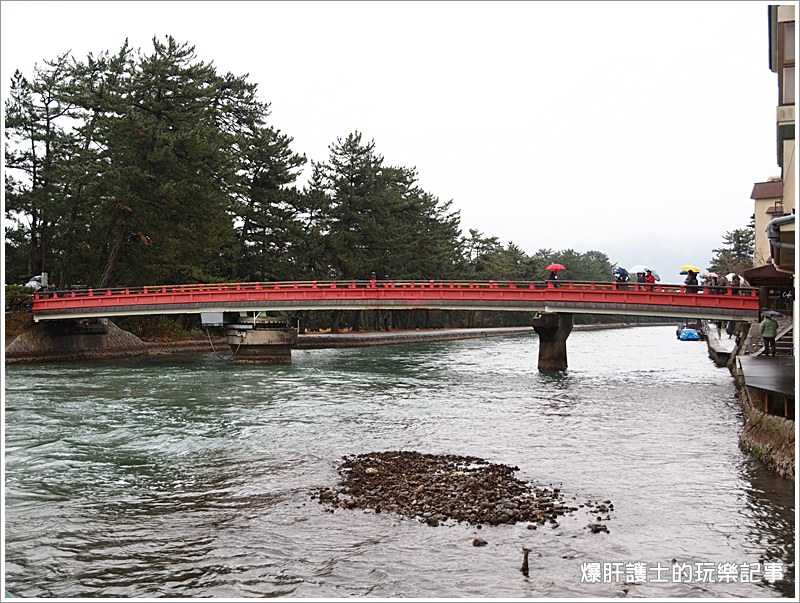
(737, 256)
(38, 148)
(270, 230)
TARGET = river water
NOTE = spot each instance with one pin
(188, 476)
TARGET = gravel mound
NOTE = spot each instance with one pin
(437, 488)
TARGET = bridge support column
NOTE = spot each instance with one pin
(263, 346)
(553, 330)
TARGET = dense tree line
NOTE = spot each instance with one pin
(139, 168)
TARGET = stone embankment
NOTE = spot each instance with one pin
(767, 437)
(56, 343)
(64, 343)
(59, 342)
(310, 341)
(351, 340)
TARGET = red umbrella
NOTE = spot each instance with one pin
(556, 267)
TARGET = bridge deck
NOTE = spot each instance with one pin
(575, 297)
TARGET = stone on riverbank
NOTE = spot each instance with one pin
(62, 341)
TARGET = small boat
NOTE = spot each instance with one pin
(694, 325)
(688, 334)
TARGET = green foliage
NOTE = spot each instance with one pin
(272, 214)
(483, 254)
(128, 168)
(147, 168)
(737, 256)
(487, 256)
(588, 266)
(18, 298)
(378, 220)
(162, 327)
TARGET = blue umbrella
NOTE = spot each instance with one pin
(620, 273)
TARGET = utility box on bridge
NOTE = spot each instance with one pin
(212, 319)
(241, 321)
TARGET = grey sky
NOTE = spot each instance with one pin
(632, 128)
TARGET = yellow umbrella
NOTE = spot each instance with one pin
(687, 267)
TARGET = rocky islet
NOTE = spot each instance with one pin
(437, 489)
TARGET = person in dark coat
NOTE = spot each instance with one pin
(722, 285)
(691, 282)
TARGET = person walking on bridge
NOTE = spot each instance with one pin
(769, 331)
(650, 279)
(691, 282)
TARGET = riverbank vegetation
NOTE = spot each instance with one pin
(139, 168)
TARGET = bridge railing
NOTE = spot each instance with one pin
(397, 284)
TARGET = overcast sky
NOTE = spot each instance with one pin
(633, 128)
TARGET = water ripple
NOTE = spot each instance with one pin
(191, 477)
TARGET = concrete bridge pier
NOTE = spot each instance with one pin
(553, 330)
(262, 346)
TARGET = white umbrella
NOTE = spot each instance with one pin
(730, 276)
(35, 283)
(641, 269)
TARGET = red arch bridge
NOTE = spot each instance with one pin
(225, 304)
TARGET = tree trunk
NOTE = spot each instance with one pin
(337, 316)
(66, 277)
(113, 257)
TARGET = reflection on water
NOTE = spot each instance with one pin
(187, 476)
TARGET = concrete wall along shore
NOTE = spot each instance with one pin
(767, 437)
(44, 342)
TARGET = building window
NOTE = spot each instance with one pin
(786, 60)
(788, 86)
(788, 43)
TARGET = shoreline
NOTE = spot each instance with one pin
(33, 346)
(309, 341)
(766, 437)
